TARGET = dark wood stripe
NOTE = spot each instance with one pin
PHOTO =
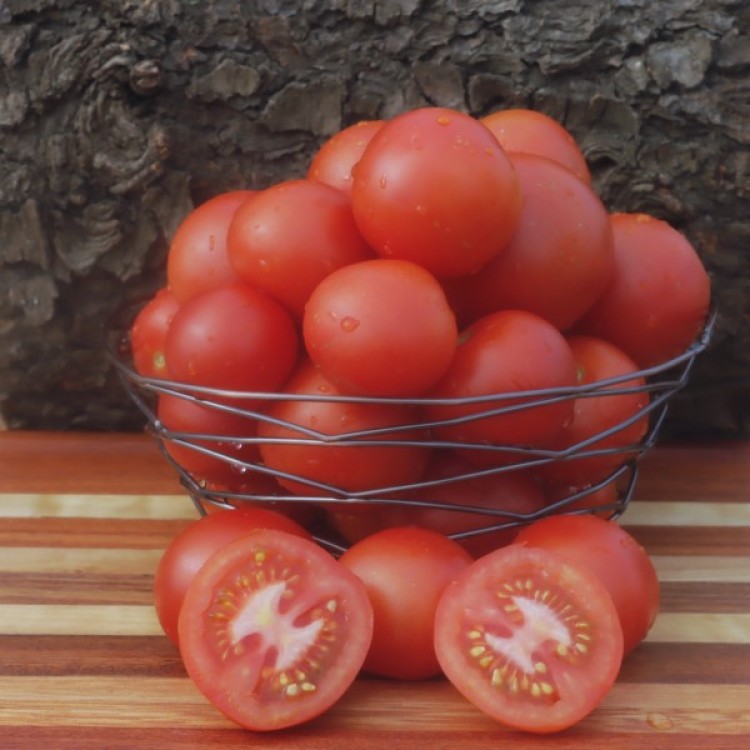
(685, 596)
(693, 540)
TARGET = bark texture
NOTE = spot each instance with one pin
(117, 117)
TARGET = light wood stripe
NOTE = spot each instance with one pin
(657, 513)
(57, 560)
(701, 627)
(705, 569)
(175, 702)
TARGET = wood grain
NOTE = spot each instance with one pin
(83, 663)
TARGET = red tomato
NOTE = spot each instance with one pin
(273, 630)
(560, 258)
(530, 132)
(434, 186)
(149, 332)
(598, 360)
(197, 259)
(236, 338)
(343, 466)
(380, 328)
(658, 299)
(607, 498)
(506, 352)
(336, 158)
(605, 548)
(405, 571)
(190, 549)
(529, 638)
(288, 237)
(180, 415)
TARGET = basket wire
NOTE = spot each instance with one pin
(660, 382)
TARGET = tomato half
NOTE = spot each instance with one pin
(434, 186)
(381, 328)
(657, 301)
(197, 259)
(149, 332)
(617, 559)
(529, 638)
(273, 630)
(404, 571)
(189, 550)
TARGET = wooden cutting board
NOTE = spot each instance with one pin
(83, 664)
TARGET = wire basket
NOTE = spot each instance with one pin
(660, 382)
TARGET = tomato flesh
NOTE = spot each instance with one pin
(529, 639)
(273, 630)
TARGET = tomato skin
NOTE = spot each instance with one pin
(506, 352)
(434, 186)
(195, 544)
(287, 238)
(394, 565)
(505, 641)
(351, 468)
(530, 132)
(380, 328)
(658, 299)
(273, 630)
(618, 560)
(599, 360)
(148, 334)
(236, 338)
(335, 160)
(560, 258)
(197, 260)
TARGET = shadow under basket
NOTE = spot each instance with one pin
(660, 383)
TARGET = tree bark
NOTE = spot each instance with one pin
(117, 117)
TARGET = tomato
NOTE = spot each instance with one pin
(380, 328)
(529, 638)
(288, 237)
(336, 158)
(560, 258)
(404, 571)
(194, 418)
(598, 360)
(531, 132)
(601, 501)
(434, 186)
(605, 548)
(236, 338)
(506, 352)
(273, 630)
(658, 298)
(195, 544)
(197, 259)
(347, 465)
(149, 332)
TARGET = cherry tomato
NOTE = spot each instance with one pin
(598, 360)
(529, 638)
(506, 352)
(530, 132)
(236, 338)
(658, 298)
(335, 159)
(605, 548)
(381, 328)
(560, 258)
(198, 541)
(352, 465)
(197, 259)
(606, 497)
(404, 571)
(149, 332)
(288, 237)
(273, 630)
(434, 186)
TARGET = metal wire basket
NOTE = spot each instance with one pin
(660, 382)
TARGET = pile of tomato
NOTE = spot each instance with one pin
(388, 322)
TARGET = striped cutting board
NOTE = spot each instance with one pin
(83, 664)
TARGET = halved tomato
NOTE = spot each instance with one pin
(531, 640)
(273, 630)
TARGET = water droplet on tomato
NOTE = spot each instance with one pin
(383, 181)
(349, 324)
(443, 120)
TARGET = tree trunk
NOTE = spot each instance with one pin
(116, 121)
